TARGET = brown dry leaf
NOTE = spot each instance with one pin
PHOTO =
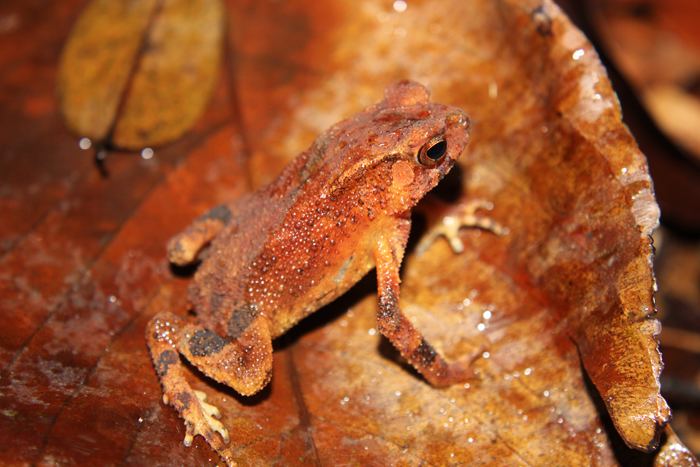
(140, 73)
(674, 452)
(572, 279)
(569, 284)
(656, 45)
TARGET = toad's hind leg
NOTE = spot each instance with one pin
(242, 361)
(184, 247)
(244, 364)
(200, 418)
(394, 325)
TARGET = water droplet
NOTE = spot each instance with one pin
(486, 355)
(493, 90)
(546, 393)
(147, 153)
(140, 419)
(400, 6)
(112, 299)
(397, 393)
(344, 400)
(624, 170)
(84, 143)
(487, 314)
(470, 440)
(560, 420)
(480, 327)
(467, 385)
(372, 331)
(578, 53)
(527, 371)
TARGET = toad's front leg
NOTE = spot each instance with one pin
(184, 247)
(394, 325)
(456, 218)
(242, 362)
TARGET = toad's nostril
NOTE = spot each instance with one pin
(457, 118)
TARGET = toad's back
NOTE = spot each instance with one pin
(309, 236)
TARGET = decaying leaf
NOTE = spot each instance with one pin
(558, 309)
(140, 73)
(674, 452)
(549, 150)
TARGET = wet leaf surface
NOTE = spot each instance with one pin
(137, 74)
(558, 308)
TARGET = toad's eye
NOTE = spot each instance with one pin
(433, 151)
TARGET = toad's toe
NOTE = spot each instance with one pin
(207, 424)
(463, 216)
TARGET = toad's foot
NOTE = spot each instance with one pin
(200, 417)
(205, 422)
(464, 216)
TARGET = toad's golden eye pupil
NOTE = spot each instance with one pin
(432, 152)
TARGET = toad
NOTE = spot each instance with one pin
(340, 209)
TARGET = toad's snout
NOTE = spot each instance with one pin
(457, 128)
